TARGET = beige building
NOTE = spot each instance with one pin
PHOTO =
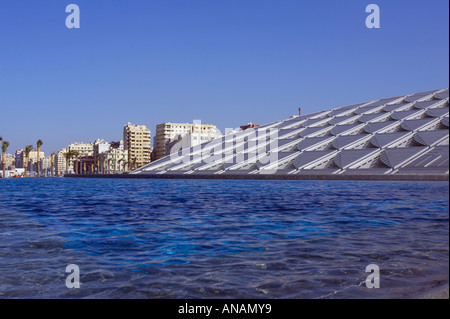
(46, 166)
(136, 142)
(110, 158)
(83, 150)
(17, 158)
(32, 160)
(10, 163)
(166, 133)
(60, 162)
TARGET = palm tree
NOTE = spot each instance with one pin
(76, 168)
(119, 162)
(52, 164)
(125, 165)
(27, 151)
(109, 165)
(5, 145)
(97, 164)
(104, 165)
(113, 148)
(39, 144)
(67, 155)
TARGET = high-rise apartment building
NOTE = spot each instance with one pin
(32, 159)
(170, 132)
(8, 160)
(17, 158)
(46, 166)
(83, 149)
(136, 141)
(60, 161)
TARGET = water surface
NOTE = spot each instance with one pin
(135, 238)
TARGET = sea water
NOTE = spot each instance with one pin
(146, 238)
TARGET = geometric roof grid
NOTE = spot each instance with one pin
(430, 138)
(383, 140)
(445, 122)
(406, 134)
(394, 157)
(420, 124)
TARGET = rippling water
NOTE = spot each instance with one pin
(221, 239)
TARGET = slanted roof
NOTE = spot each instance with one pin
(400, 135)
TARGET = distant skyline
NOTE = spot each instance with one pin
(225, 63)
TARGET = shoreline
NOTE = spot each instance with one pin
(432, 178)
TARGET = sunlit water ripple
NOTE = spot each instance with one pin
(221, 239)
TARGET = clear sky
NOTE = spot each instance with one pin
(225, 62)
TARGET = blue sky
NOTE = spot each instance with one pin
(224, 62)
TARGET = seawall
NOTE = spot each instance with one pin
(273, 177)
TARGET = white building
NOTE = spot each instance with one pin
(60, 162)
(17, 172)
(190, 134)
(110, 158)
(405, 135)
